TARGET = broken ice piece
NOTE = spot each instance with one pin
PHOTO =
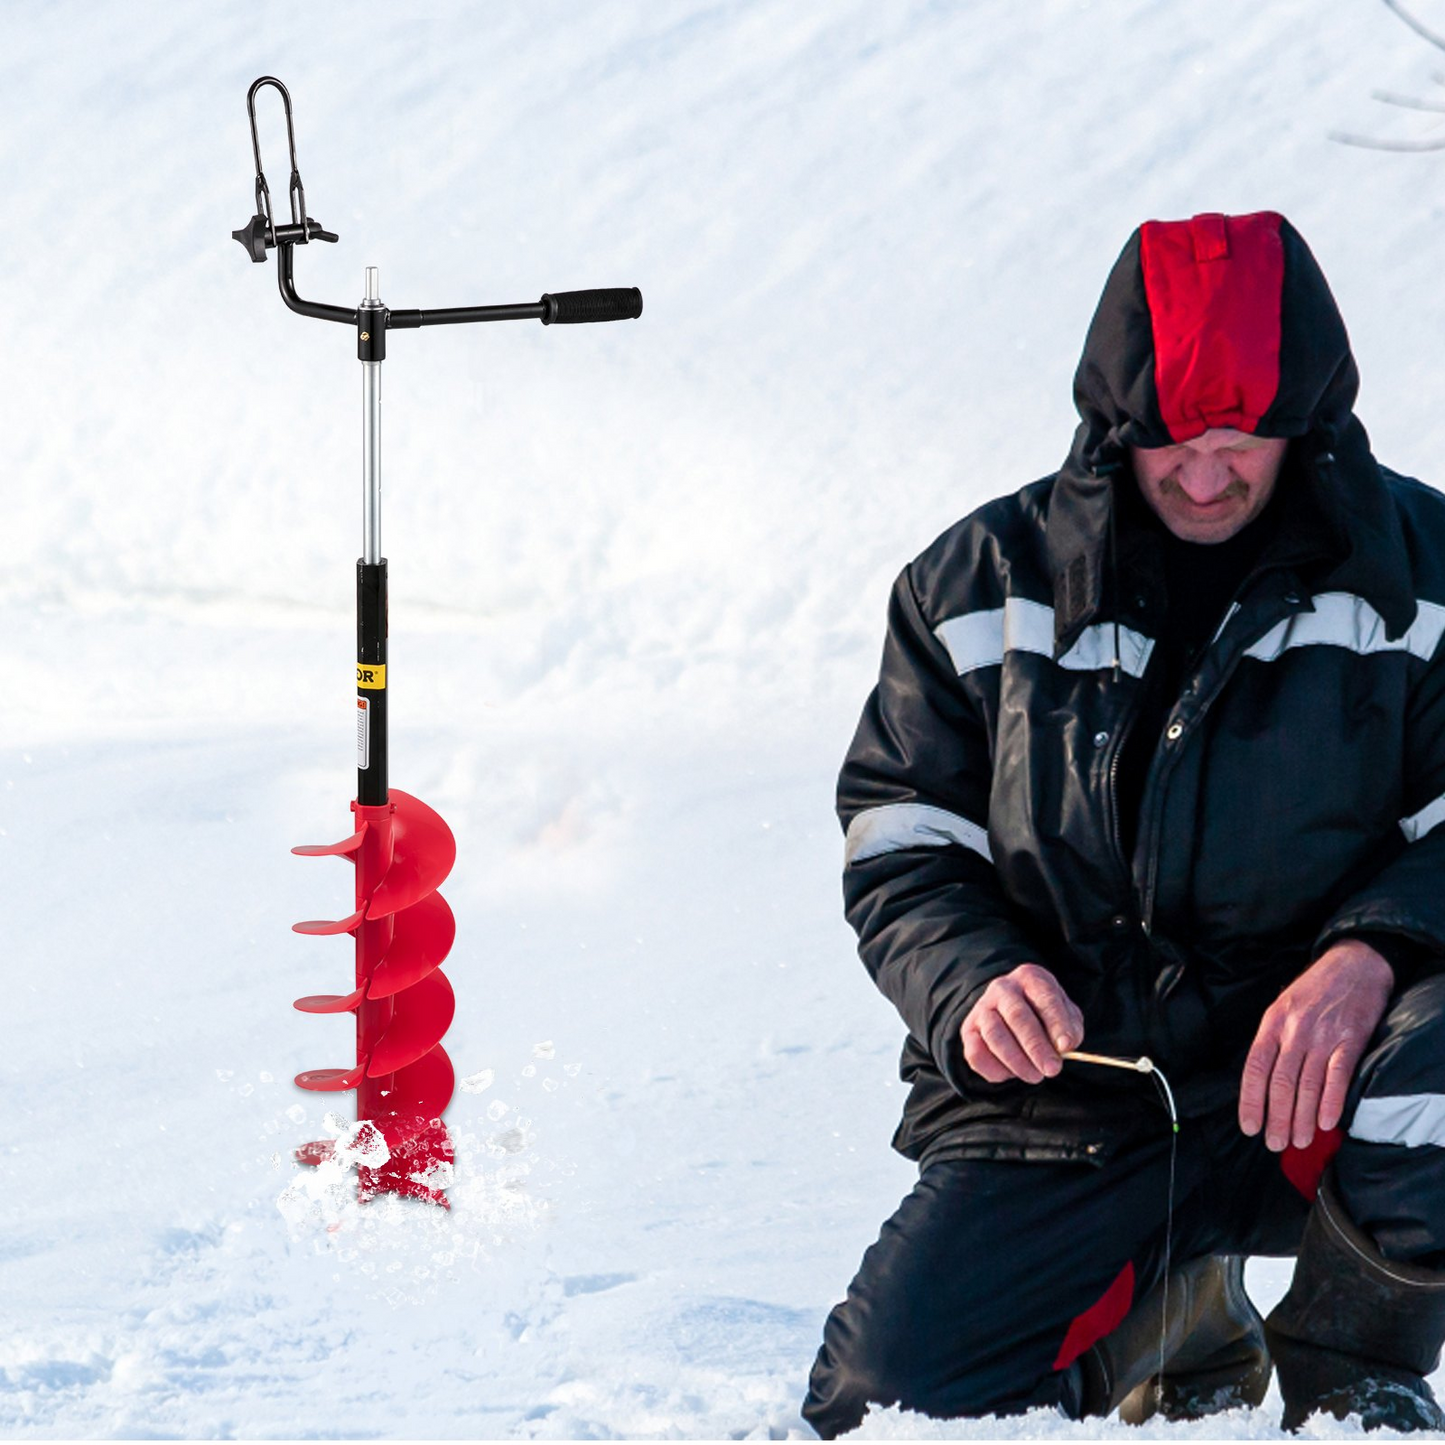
(364, 1144)
(476, 1083)
(544, 1050)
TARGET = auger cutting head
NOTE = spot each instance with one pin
(402, 852)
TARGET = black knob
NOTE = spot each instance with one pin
(253, 237)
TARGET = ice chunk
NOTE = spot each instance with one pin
(364, 1144)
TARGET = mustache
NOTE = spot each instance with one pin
(1171, 487)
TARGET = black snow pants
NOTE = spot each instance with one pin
(993, 1277)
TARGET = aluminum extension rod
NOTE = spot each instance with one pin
(371, 430)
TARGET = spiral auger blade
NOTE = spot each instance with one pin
(402, 851)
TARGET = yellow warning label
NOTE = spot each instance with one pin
(371, 675)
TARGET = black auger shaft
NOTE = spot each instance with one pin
(371, 766)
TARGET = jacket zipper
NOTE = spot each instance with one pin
(1121, 738)
(1205, 703)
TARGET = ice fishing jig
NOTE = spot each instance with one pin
(401, 849)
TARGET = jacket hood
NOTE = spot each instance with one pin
(1222, 321)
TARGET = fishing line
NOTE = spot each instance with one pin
(1147, 1065)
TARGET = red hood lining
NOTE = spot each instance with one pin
(1214, 286)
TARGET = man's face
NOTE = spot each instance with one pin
(1206, 489)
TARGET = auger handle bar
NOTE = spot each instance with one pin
(261, 234)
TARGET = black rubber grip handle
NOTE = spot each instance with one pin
(568, 308)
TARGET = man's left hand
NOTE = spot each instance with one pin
(1309, 1041)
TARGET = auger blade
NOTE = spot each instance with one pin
(419, 1094)
(404, 930)
(423, 854)
(330, 1081)
(419, 1154)
(423, 937)
(323, 926)
(422, 1014)
(329, 1003)
(326, 850)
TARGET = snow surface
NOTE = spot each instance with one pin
(638, 575)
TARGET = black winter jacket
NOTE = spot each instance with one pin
(1293, 796)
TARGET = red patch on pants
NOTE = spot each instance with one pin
(1303, 1167)
(1103, 1316)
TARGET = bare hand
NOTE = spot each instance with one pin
(1308, 1043)
(1020, 1025)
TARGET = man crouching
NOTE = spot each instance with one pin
(1154, 768)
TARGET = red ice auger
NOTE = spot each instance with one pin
(401, 849)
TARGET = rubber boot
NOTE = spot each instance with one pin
(1357, 1333)
(1212, 1344)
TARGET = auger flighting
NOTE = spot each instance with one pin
(401, 849)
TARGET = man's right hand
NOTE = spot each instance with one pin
(1020, 1026)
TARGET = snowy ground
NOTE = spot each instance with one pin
(638, 583)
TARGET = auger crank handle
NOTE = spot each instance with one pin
(261, 234)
